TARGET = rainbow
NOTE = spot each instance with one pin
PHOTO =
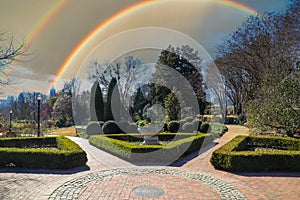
(83, 43)
(42, 22)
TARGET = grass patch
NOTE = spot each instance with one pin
(42, 152)
(68, 131)
(252, 153)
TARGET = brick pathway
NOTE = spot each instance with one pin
(108, 177)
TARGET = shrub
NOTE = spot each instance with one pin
(242, 118)
(111, 127)
(173, 126)
(35, 155)
(205, 127)
(142, 123)
(101, 123)
(217, 129)
(123, 125)
(197, 124)
(188, 119)
(236, 155)
(93, 128)
(165, 128)
(132, 128)
(157, 153)
(230, 120)
(188, 127)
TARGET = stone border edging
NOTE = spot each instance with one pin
(72, 188)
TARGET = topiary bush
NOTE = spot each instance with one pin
(111, 127)
(173, 126)
(188, 127)
(93, 128)
(123, 125)
(132, 128)
(188, 119)
(101, 123)
(197, 124)
(205, 127)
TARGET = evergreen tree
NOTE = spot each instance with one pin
(99, 103)
(139, 102)
(172, 106)
(186, 61)
(93, 116)
(108, 113)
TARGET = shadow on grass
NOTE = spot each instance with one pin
(44, 171)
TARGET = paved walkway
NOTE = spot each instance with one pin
(108, 177)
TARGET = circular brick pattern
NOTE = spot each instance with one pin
(148, 191)
(78, 187)
(123, 186)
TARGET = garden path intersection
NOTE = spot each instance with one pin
(108, 177)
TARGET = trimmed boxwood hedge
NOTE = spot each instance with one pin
(41, 153)
(237, 155)
(151, 153)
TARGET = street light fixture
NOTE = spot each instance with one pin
(39, 98)
(10, 120)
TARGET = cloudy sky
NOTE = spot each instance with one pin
(53, 29)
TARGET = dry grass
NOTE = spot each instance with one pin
(69, 131)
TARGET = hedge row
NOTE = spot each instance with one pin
(237, 155)
(151, 153)
(137, 137)
(31, 153)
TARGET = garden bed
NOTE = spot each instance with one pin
(41, 152)
(252, 153)
(179, 144)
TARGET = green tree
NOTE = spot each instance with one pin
(96, 103)
(172, 106)
(99, 104)
(62, 110)
(186, 61)
(108, 113)
(139, 102)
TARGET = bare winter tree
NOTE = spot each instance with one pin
(263, 51)
(10, 51)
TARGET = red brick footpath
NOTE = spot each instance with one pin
(108, 177)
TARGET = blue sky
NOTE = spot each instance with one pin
(77, 18)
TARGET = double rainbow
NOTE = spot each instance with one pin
(83, 43)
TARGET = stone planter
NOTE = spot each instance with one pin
(150, 135)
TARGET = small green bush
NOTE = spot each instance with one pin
(205, 127)
(217, 129)
(236, 155)
(173, 126)
(132, 128)
(93, 128)
(188, 127)
(197, 124)
(242, 118)
(165, 128)
(188, 119)
(123, 125)
(111, 127)
(101, 123)
(40, 153)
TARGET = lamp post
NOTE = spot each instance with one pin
(39, 98)
(10, 119)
